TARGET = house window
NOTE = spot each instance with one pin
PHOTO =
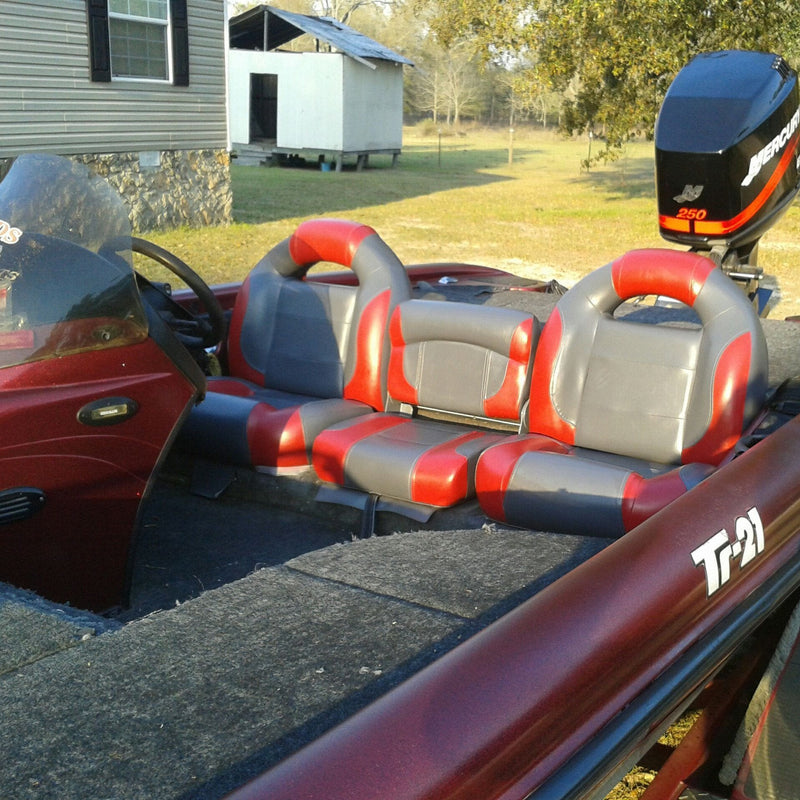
(139, 39)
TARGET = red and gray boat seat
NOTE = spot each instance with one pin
(624, 416)
(302, 355)
(453, 360)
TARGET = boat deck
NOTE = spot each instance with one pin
(237, 672)
(257, 622)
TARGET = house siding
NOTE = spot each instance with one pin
(164, 147)
(327, 102)
(49, 102)
(374, 103)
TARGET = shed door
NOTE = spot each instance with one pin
(263, 106)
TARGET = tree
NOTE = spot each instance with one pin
(341, 10)
(613, 60)
(447, 82)
(344, 9)
(526, 94)
(297, 6)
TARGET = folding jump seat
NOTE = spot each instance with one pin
(302, 355)
(627, 416)
(454, 360)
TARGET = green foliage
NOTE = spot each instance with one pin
(613, 60)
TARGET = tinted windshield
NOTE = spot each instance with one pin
(66, 281)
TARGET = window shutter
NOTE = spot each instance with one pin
(99, 50)
(180, 42)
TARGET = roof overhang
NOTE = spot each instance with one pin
(267, 28)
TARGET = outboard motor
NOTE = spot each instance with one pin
(727, 158)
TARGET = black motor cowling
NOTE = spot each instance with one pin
(727, 152)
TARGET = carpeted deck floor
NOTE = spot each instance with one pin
(192, 700)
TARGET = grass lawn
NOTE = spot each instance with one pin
(540, 216)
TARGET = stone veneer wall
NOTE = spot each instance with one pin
(166, 189)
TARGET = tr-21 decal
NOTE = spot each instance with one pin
(717, 553)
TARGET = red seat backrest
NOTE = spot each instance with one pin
(656, 392)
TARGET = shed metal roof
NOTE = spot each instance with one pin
(267, 28)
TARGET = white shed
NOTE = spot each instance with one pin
(325, 105)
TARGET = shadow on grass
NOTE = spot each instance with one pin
(268, 194)
(625, 179)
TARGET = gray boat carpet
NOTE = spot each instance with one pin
(468, 573)
(32, 628)
(192, 701)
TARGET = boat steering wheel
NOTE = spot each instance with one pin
(193, 331)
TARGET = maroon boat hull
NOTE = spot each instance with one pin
(93, 477)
